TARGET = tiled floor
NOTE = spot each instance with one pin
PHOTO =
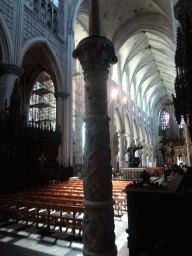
(21, 240)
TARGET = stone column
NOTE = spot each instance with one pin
(60, 102)
(122, 150)
(68, 115)
(95, 54)
(8, 74)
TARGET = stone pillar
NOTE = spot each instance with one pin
(122, 150)
(68, 115)
(8, 74)
(60, 103)
(95, 54)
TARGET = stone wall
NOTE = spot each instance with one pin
(34, 27)
(7, 9)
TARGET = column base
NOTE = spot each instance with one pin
(88, 253)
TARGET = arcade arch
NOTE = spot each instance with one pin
(38, 58)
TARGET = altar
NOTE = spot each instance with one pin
(132, 173)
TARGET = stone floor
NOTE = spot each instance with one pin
(21, 240)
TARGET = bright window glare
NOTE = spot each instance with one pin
(115, 76)
(114, 93)
(56, 2)
(124, 82)
(124, 100)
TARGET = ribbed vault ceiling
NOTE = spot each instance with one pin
(143, 35)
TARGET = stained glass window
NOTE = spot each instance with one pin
(182, 124)
(164, 119)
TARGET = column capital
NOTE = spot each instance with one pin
(6, 68)
(62, 95)
(95, 53)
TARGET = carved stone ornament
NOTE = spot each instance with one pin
(95, 54)
(87, 53)
(10, 69)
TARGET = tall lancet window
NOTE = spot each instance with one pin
(164, 119)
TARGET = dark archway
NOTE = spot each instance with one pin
(37, 59)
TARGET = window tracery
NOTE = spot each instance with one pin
(36, 6)
(47, 12)
(49, 16)
(164, 119)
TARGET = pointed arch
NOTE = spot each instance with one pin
(51, 64)
(73, 9)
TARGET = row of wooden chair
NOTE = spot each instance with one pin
(59, 203)
(77, 185)
(64, 215)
